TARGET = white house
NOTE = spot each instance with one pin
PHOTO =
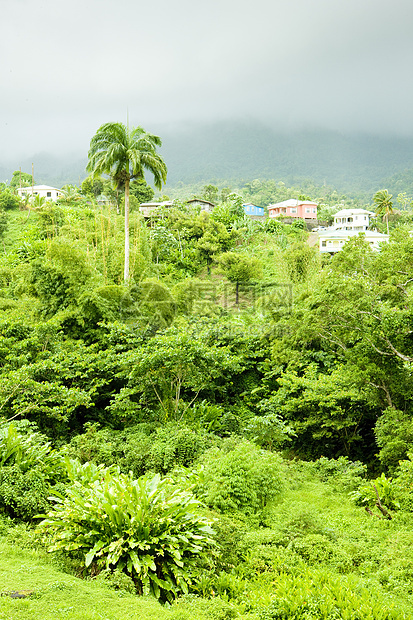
(332, 241)
(352, 219)
(44, 191)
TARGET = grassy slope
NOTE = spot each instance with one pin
(325, 544)
(58, 595)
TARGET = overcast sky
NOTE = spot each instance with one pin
(69, 66)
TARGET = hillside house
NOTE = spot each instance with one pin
(205, 205)
(332, 241)
(305, 209)
(253, 211)
(353, 219)
(44, 191)
(148, 209)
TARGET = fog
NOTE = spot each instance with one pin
(66, 68)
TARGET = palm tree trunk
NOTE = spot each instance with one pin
(126, 271)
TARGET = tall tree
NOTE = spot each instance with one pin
(125, 154)
(384, 205)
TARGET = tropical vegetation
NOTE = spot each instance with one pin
(225, 433)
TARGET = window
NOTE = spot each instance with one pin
(323, 244)
(314, 210)
(293, 210)
(308, 210)
(49, 194)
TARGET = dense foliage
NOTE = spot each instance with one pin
(236, 379)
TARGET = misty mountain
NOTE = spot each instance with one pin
(352, 163)
(240, 151)
(49, 169)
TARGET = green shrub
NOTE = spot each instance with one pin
(29, 470)
(319, 595)
(305, 520)
(25, 449)
(22, 535)
(116, 579)
(394, 436)
(147, 528)
(213, 609)
(340, 472)
(23, 494)
(319, 549)
(174, 445)
(244, 478)
(93, 445)
(133, 450)
(382, 493)
(403, 482)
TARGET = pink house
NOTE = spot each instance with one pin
(305, 209)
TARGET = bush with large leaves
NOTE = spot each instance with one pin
(148, 528)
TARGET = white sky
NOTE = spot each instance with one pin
(66, 67)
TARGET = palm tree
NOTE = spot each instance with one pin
(384, 205)
(125, 154)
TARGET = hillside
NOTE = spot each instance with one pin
(229, 429)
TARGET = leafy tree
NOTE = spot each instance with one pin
(141, 190)
(299, 258)
(403, 201)
(384, 205)
(20, 179)
(229, 211)
(92, 186)
(326, 411)
(8, 200)
(215, 239)
(4, 222)
(240, 269)
(210, 193)
(173, 369)
(125, 154)
(394, 436)
(59, 279)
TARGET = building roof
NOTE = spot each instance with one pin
(348, 212)
(293, 203)
(166, 203)
(343, 234)
(200, 201)
(39, 187)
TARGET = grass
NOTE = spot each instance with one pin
(58, 595)
(316, 546)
